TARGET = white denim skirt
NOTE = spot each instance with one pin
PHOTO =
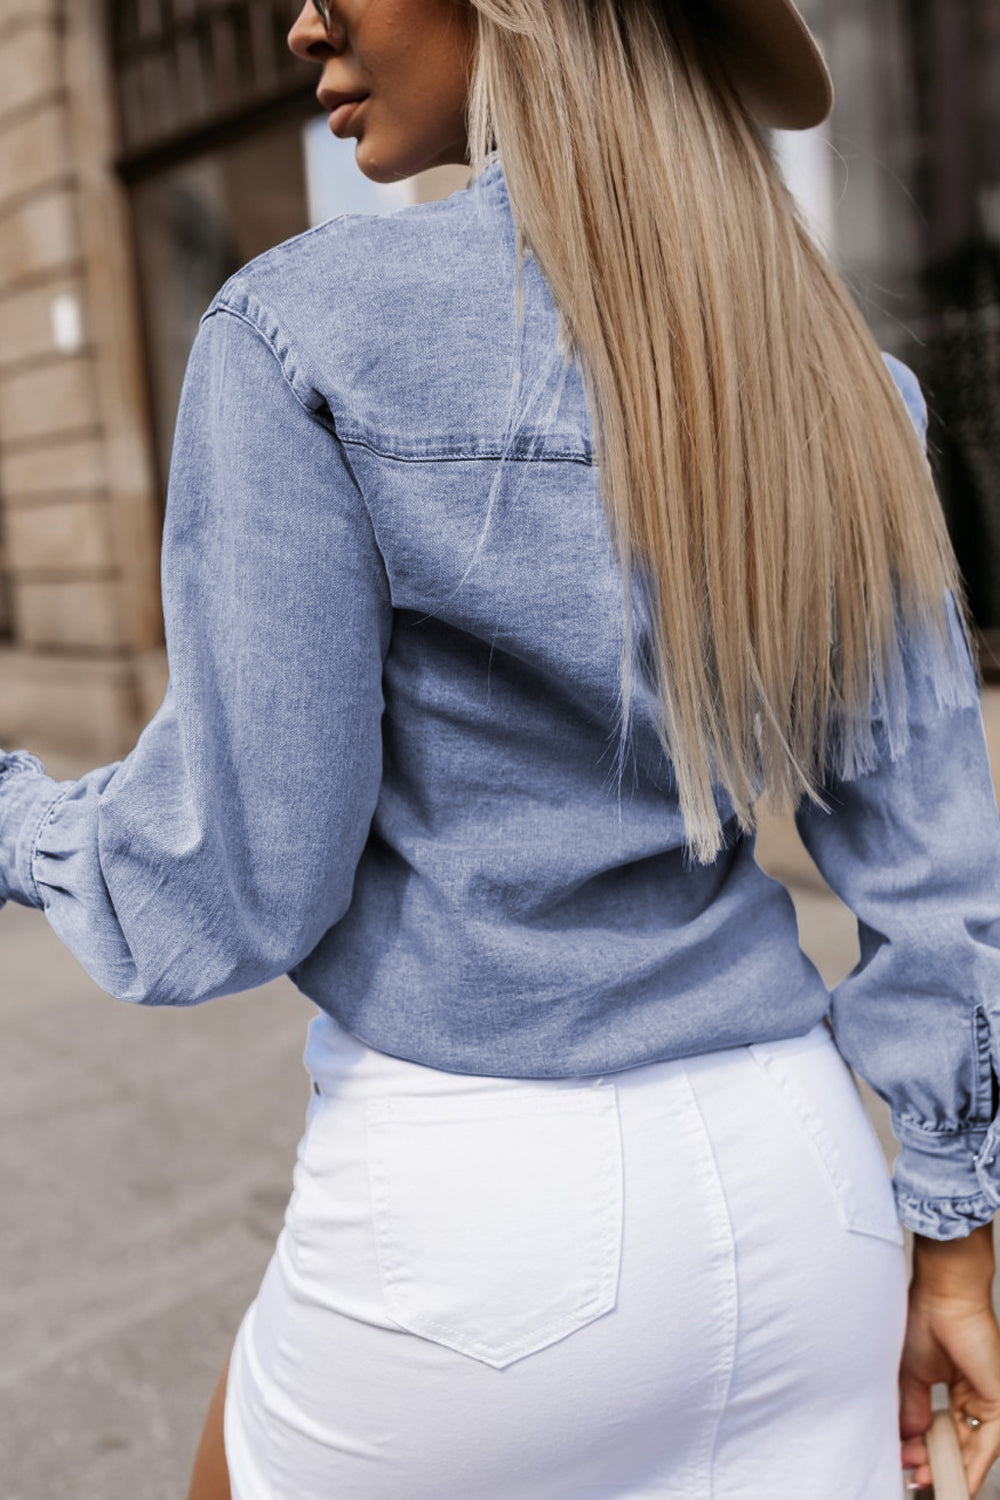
(684, 1280)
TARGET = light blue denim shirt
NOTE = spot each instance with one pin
(384, 763)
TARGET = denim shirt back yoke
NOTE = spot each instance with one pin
(385, 760)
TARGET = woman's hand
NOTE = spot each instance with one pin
(952, 1337)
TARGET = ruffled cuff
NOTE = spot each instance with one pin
(27, 795)
(946, 1183)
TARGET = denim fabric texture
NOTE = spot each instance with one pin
(385, 760)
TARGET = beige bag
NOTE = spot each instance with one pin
(947, 1468)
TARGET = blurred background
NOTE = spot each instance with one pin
(148, 148)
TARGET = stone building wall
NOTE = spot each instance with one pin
(82, 663)
(81, 659)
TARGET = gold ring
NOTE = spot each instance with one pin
(972, 1422)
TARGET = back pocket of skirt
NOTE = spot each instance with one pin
(498, 1216)
(822, 1097)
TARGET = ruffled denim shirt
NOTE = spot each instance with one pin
(384, 761)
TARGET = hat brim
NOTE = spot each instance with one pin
(774, 61)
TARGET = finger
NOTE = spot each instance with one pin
(980, 1450)
(914, 1407)
(919, 1478)
(974, 1346)
(916, 1463)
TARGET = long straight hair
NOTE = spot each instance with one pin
(767, 495)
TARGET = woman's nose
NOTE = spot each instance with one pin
(309, 38)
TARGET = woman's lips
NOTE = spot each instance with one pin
(343, 115)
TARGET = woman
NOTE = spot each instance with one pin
(498, 589)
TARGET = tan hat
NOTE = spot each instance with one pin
(774, 60)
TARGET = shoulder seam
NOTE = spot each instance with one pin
(220, 306)
(235, 312)
(283, 246)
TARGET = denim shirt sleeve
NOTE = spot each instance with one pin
(913, 848)
(220, 850)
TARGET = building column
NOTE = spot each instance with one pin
(82, 666)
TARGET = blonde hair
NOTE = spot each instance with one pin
(767, 495)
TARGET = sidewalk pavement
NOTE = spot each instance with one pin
(146, 1161)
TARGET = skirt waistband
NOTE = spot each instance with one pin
(339, 1062)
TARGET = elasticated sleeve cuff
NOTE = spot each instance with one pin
(946, 1183)
(26, 798)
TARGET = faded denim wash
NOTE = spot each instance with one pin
(384, 762)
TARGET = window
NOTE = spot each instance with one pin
(957, 55)
(195, 223)
(190, 68)
(211, 106)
